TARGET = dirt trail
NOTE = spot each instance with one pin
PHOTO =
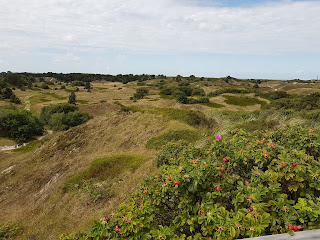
(6, 148)
(27, 102)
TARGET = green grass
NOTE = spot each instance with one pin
(106, 168)
(189, 136)
(213, 105)
(167, 97)
(243, 101)
(82, 101)
(44, 100)
(29, 147)
(54, 96)
(260, 124)
(192, 118)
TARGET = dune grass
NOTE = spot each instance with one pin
(191, 117)
(213, 105)
(242, 101)
(187, 135)
(106, 168)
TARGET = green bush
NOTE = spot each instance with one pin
(240, 186)
(19, 125)
(45, 85)
(61, 117)
(140, 93)
(47, 111)
(308, 102)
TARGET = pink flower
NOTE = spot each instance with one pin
(218, 137)
(163, 151)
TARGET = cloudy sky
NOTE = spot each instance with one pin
(277, 39)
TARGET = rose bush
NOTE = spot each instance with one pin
(200, 195)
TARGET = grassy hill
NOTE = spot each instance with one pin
(39, 191)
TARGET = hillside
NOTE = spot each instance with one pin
(34, 179)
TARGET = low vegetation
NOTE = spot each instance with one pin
(243, 101)
(259, 176)
(61, 117)
(19, 125)
(189, 136)
(242, 185)
(191, 117)
(103, 171)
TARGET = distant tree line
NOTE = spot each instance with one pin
(23, 78)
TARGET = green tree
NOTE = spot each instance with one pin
(72, 98)
(19, 125)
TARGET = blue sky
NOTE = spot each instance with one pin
(275, 39)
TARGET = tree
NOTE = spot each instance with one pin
(87, 85)
(72, 98)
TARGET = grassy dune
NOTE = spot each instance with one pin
(61, 183)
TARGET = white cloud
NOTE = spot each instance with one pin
(68, 38)
(68, 57)
(165, 26)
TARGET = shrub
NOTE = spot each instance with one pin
(19, 125)
(47, 111)
(72, 98)
(45, 86)
(241, 186)
(61, 117)
(140, 93)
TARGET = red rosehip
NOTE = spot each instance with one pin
(295, 228)
(169, 178)
(117, 230)
(250, 209)
(290, 227)
(294, 164)
(300, 228)
(176, 183)
(219, 168)
(250, 197)
(209, 237)
(218, 188)
(145, 192)
(221, 174)
(225, 160)
(201, 213)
